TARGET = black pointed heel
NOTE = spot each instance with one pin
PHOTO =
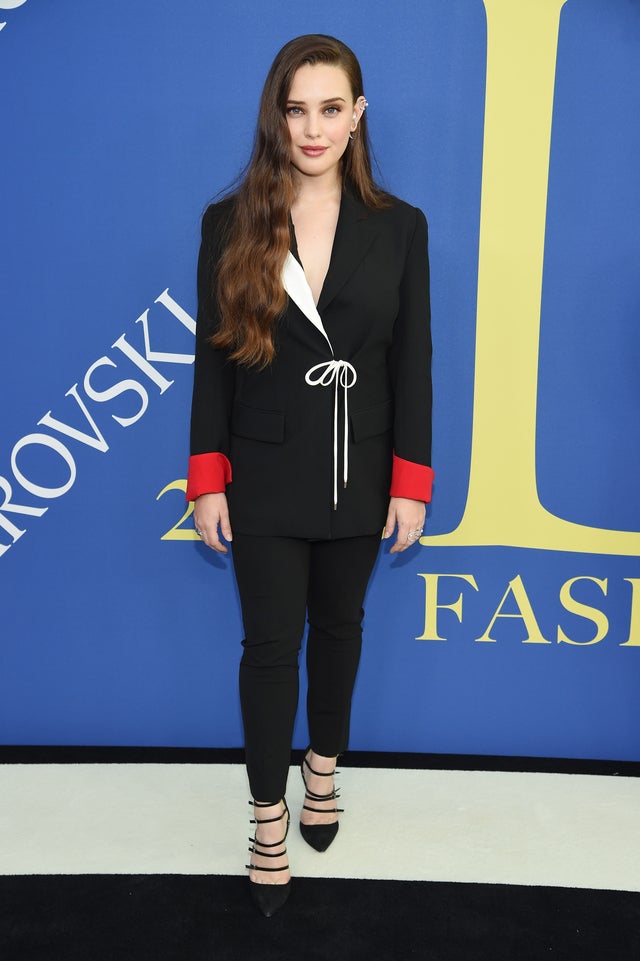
(269, 898)
(319, 836)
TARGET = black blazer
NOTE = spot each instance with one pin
(277, 430)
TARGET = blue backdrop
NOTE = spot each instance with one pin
(120, 122)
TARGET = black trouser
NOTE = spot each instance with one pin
(279, 580)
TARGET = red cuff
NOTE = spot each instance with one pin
(411, 480)
(208, 474)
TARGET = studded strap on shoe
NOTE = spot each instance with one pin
(255, 843)
(319, 773)
(333, 795)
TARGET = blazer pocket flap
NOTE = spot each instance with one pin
(256, 424)
(372, 421)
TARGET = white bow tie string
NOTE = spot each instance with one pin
(340, 373)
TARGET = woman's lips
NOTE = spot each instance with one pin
(313, 151)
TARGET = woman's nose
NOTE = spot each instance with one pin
(312, 125)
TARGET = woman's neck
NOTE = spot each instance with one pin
(312, 191)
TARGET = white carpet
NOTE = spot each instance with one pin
(474, 826)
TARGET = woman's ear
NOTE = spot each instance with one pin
(359, 108)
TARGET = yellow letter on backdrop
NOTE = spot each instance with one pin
(503, 506)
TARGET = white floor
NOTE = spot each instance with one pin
(539, 829)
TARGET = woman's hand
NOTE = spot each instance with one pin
(409, 516)
(210, 512)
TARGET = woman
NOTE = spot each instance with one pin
(310, 423)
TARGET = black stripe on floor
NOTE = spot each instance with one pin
(205, 918)
(28, 754)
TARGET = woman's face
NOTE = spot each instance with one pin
(321, 114)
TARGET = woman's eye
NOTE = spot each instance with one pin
(331, 111)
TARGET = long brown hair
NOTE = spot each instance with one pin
(250, 293)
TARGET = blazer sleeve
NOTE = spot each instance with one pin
(410, 372)
(214, 375)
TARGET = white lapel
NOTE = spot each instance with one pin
(297, 286)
